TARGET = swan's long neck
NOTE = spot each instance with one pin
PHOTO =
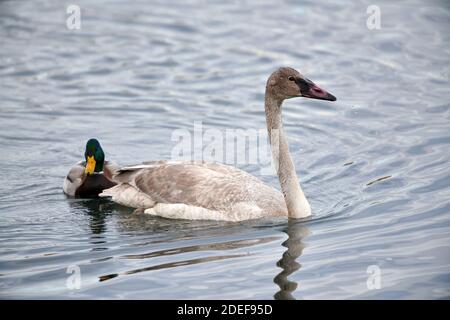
(296, 202)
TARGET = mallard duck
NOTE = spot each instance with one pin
(213, 191)
(86, 179)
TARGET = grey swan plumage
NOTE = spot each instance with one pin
(201, 190)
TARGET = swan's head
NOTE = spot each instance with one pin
(95, 157)
(286, 83)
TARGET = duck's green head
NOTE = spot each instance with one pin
(95, 157)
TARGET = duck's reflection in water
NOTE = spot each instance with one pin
(97, 210)
(296, 233)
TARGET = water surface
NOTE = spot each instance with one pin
(374, 164)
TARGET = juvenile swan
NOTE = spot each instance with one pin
(198, 190)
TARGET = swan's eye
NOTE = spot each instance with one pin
(291, 78)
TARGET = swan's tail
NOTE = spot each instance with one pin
(129, 196)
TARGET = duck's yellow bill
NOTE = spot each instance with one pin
(90, 165)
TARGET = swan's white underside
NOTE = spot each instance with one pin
(182, 211)
(130, 196)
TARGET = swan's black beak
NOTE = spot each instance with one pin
(309, 89)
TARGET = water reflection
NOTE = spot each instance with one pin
(171, 265)
(98, 211)
(221, 246)
(161, 230)
(296, 232)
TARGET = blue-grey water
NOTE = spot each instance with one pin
(374, 164)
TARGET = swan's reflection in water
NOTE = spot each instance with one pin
(152, 231)
(222, 246)
(296, 233)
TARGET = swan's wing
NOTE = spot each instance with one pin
(124, 174)
(207, 185)
(74, 179)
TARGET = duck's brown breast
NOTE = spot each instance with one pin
(93, 185)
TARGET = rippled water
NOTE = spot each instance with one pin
(374, 164)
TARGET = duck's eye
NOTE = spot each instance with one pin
(291, 78)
